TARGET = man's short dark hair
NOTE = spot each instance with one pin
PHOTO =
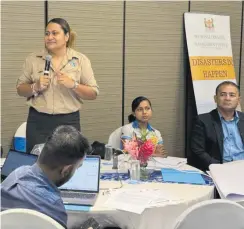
(227, 83)
(65, 146)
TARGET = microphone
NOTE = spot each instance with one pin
(47, 65)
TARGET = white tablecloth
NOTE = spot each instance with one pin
(155, 217)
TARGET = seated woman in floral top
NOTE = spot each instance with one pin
(139, 126)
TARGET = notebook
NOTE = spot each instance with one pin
(16, 159)
(228, 179)
(83, 187)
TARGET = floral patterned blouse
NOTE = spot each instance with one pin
(132, 129)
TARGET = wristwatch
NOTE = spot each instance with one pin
(75, 85)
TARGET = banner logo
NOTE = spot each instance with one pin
(209, 24)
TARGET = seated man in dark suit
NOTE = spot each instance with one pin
(218, 136)
(35, 187)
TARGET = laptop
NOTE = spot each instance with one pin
(83, 187)
(16, 159)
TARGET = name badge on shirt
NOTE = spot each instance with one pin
(73, 62)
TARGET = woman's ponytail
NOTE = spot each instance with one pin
(72, 38)
(131, 118)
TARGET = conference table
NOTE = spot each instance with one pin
(159, 216)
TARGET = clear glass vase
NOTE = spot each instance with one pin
(143, 171)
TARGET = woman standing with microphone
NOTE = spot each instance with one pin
(55, 93)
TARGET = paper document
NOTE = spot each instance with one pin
(136, 201)
(169, 162)
(229, 180)
(130, 200)
(2, 162)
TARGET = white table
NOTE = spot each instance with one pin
(161, 217)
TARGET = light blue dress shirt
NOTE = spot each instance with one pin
(233, 148)
(28, 187)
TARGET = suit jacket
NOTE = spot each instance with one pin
(207, 139)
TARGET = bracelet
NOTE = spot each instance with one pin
(34, 92)
(75, 85)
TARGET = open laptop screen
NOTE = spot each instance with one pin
(16, 159)
(86, 177)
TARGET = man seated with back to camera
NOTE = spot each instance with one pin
(35, 187)
(218, 136)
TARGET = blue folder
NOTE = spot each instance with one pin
(182, 176)
(72, 207)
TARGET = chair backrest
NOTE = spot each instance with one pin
(20, 138)
(20, 218)
(115, 138)
(212, 214)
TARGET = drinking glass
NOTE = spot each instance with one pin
(135, 170)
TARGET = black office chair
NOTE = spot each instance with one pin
(98, 148)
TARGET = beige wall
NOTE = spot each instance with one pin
(155, 59)
(99, 28)
(154, 65)
(22, 33)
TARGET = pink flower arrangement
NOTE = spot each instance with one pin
(138, 149)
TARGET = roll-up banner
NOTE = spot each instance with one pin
(210, 55)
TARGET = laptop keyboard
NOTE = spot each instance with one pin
(78, 195)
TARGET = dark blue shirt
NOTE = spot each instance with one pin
(28, 187)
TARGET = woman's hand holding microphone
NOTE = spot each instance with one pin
(43, 83)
